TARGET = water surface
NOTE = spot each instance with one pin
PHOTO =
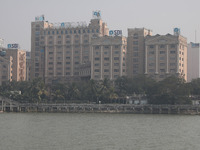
(95, 131)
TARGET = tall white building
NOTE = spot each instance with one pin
(193, 61)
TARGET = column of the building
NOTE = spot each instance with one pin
(63, 60)
(81, 52)
(146, 61)
(46, 58)
(121, 60)
(72, 55)
(156, 59)
(167, 59)
(92, 63)
(54, 58)
(177, 53)
(101, 63)
(111, 63)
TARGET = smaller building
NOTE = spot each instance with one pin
(193, 61)
(18, 63)
(166, 55)
(108, 57)
(5, 69)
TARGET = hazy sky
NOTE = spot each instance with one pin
(161, 16)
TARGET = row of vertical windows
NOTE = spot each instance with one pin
(72, 31)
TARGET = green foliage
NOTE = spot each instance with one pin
(171, 90)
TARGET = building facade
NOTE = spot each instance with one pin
(18, 63)
(5, 68)
(58, 50)
(136, 51)
(193, 62)
(165, 55)
(108, 57)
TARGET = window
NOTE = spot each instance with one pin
(172, 46)
(106, 70)
(116, 64)
(162, 46)
(96, 58)
(67, 57)
(59, 63)
(106, 47)
(96, 47)
(50, 52)
(116, 70)
(151, 58)
(50, 63)
(135, 48)
(135, 53)
(172, 64)
(151, 46)
(151, 70)
(135, 36)
(106, 64)
(151, 64)
(59, 52)
(116, 58)
(116, 46)
(135, 42)
(96, 64)
(162, 58)
(68, 36)
(116, 52)
(151, 52)
(172, 58)
(162, 52)
(106, 58)
(135, 65)
(162, 64)
(172, 52)
(135, 59)
(96, 70)
(67, 62)
(76, 63)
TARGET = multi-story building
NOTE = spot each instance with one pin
(108, 57)
(5, 67)
(166, 55)
(136, 51)
(193, 61)
(58, 50)
(18, 63)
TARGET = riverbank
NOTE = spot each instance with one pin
(105, 108)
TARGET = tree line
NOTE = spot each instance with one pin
(172, 90)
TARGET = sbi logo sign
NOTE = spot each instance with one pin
(115, 32)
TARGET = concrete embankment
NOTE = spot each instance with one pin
(104, 108)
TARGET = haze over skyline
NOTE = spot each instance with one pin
(159, 16)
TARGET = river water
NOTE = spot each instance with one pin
(96, 131)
